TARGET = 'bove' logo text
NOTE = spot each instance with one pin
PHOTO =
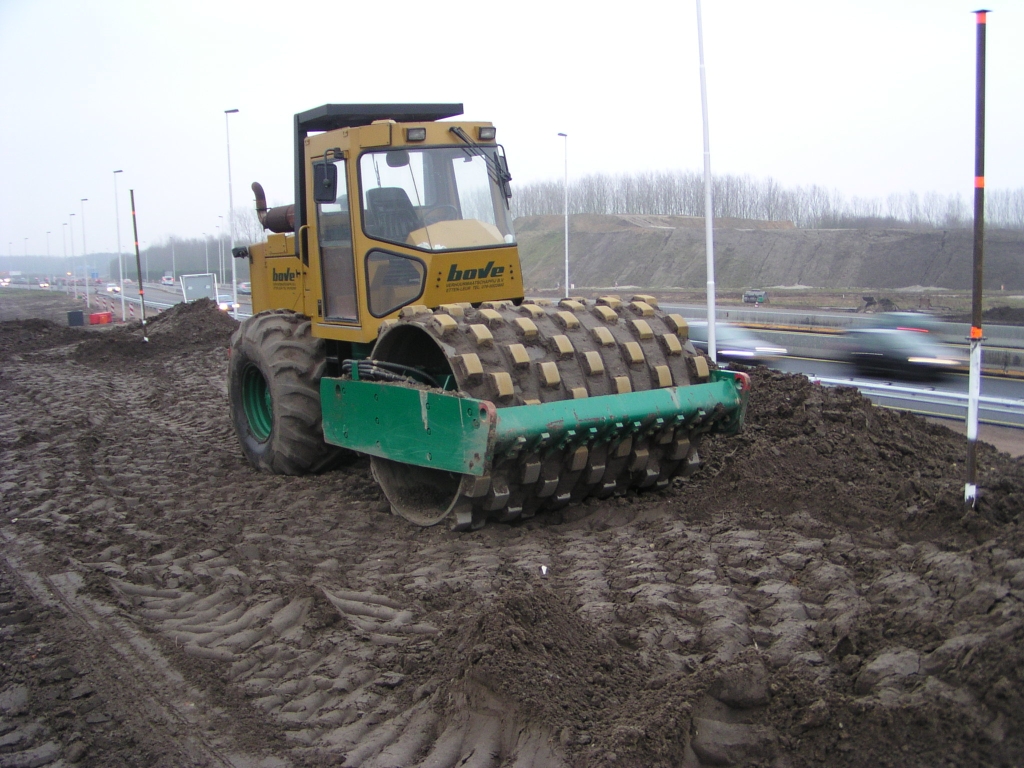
(287, 276)
(455, 274)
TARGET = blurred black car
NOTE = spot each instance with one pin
(735, 345)
(900, 344)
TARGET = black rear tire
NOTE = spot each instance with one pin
(274, 390)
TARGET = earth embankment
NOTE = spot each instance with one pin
(669, 252)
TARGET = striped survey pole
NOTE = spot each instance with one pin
(974, 376)
(138, 269)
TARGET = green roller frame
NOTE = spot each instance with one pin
(463, 435)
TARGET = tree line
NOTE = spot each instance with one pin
(681, 193)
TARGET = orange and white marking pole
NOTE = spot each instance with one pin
(974, 380)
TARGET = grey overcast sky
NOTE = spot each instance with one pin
(866, 97)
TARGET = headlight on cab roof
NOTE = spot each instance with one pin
(486, 133)
(415, 134)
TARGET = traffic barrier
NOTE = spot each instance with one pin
(100, 318)
(131, 311)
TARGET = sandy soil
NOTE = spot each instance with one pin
(815, 595)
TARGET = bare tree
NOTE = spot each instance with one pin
(681, 193)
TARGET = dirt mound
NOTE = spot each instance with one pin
(194, 324)
(18, 336)
(184, 328)
(877, 467)
(815, 595)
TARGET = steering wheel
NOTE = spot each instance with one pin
(440, 213)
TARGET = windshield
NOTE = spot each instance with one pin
(435, 198)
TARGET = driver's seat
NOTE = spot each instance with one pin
(392, 215)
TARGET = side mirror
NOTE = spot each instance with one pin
(325, 182)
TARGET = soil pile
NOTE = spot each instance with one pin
(17, 336)
(183, 329)
(876, 467)
(194, 324)
(814, 595)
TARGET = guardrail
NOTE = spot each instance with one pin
(115, 300)
(954, 403)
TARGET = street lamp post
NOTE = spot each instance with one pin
(85, 255)
(206, 242)
(231, 216)
(64, 233)
(74, 269)
(25, 247)
(565, 185)
(120, 255)
(220, 248)
(709, 207)
(50, 281)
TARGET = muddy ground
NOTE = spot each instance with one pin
(815, 595)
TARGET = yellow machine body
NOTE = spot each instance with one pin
(295, 272)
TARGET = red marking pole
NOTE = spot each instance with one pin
(974, 380)
(138, 268)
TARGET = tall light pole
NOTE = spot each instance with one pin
(25, 247)
(50, 281)
(74, 268)
(64, 232)
(220, 247)
(231, 216)
(709, 222)
(85, 254)
(120, 256)
(206, 242)
(565, 187)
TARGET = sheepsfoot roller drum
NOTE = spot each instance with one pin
(502, 411)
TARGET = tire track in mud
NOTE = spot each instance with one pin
(623, 632)
(159, 708)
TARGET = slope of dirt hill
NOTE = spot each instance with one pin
(815, 595)
(660, 252)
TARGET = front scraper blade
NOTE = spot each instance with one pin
(523, 458)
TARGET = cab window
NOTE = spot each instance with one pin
(435, 198)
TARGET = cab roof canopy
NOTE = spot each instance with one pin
(330, 117)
